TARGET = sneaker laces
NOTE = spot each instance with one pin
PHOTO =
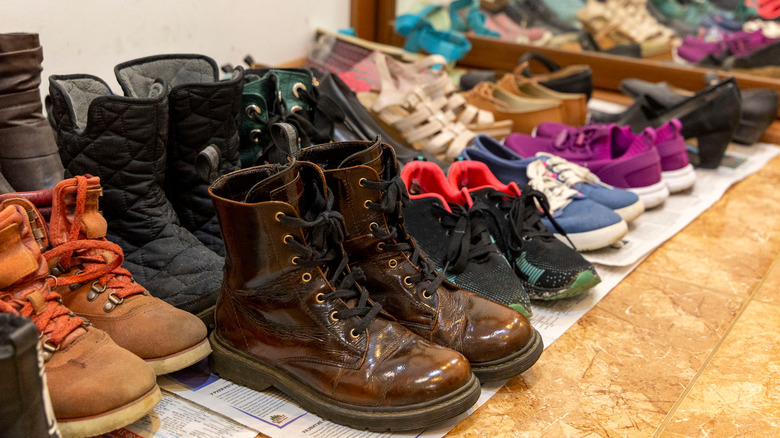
(541, 179)
(569, 173)
(576, 141)
(523, 214)
(326, 233)
(394, 199)
(97, 258)
(469, 237)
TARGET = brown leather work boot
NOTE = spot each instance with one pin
(291, 315)
(167, 338)
(95, 385)
(498, 341)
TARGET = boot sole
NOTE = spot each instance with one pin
(182, 359)
(111, 420)
(248, 371)
(511, 365)
(585, 281)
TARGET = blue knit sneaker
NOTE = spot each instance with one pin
(506, 165)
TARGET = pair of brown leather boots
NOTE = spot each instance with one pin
(104, 337)
(326, 297)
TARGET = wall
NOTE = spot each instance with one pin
(92, 36)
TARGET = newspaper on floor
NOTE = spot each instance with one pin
(220, 408)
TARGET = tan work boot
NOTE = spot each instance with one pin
(95, 385)
(167, 338)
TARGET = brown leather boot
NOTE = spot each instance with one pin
(291, 315)
(497, 340)
(95, 385)
(167, 338)
(28, 152)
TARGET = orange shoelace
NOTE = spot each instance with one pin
(54, 323)
(82, 252)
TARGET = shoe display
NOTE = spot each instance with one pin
(167, 338)
(126, 148)
(498, 341)
(711, 116)
(759, 105)
(455, 238)
(510, 167)
(576, 219)
(301, 323)
(618, 157)
(95, 386)
(25, 405)
(28, 152)
(548, 267)
(676, 170)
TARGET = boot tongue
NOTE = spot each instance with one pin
(285, 186)
(371, 157)
(64, 203)
(21, 256)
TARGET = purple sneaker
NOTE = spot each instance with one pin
(738, 44)
(618, 158)
(676, 171)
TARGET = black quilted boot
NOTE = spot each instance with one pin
(123, 140)
(203, 130)
(25, 408)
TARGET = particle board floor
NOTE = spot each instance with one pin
(688, 345)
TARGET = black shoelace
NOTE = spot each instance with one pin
(325, 235)
(469, 237)
(523, 215)
(394, 199)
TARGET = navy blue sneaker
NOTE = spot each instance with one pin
(508, 166)
(548, 267)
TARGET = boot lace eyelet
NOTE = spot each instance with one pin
(392, 263)
(255, 135)
(294, 260)
(320, 297)
(333, 316)
(95, 291)
(112, 302)
(75, 286)
(365, 204)
(353, 334)
(427, 295)
(380, 246)
(253, 112)
(295, 109)
(297, 87)
(373, 226)
(361, 181)
(306, 277)
(408, 281)
(287, 238)
(278, 215)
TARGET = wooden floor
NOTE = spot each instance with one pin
(688, 345)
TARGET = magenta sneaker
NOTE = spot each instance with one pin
(620, 159)
(676, 171)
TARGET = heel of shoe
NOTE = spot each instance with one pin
(712, 147)
(229, 364)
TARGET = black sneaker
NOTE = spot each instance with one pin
(456, 240)
(548, 268)
(25, 409)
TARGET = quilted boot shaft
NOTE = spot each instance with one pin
(203, 125)
(25, 407)
(122, 141)
(28, 153)
(290, 313)
(95, 386)
(370, 195)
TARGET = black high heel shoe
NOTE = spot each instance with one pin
(711, 116)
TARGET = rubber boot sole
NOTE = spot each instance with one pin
(512, 365)
(585, 281)
(180, 360)
(246, 370)
(113, 419)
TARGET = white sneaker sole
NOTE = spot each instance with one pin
(632, 211)
(654, 195)
(596, 239)
(680, 179)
